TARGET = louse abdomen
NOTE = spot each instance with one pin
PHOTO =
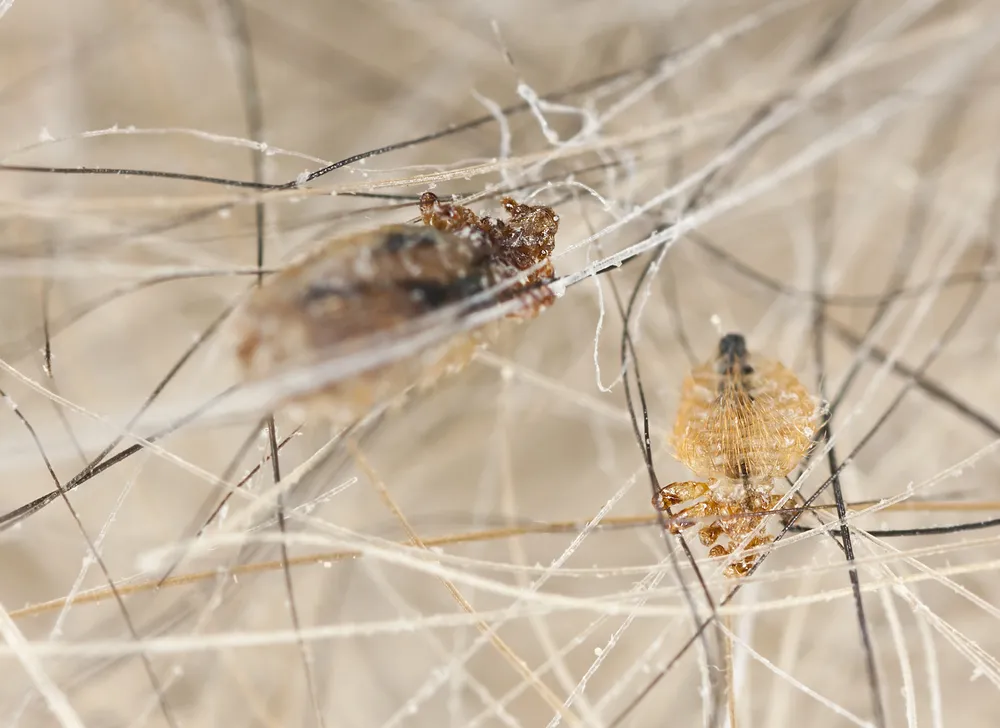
(352, 294)
(361, 292)
(743, 417)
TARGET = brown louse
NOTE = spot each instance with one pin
(743, 422)
(373, 283)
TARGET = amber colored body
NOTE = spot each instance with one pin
(363, 288)
(743, 421)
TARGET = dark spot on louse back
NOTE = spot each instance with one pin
(403, 240)
(319, 291)
(395, 242)
(433, 294)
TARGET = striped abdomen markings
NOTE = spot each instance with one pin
(742, 417)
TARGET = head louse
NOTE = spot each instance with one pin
(337, 298)
(743, 422)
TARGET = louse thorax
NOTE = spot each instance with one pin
(743, 418)
(523, 242)
(360, 291)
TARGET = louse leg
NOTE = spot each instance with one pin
(687, 517)
(672, 495)
(676, 493)
(718, 551)
(786, 518)
(710, 533)
(743, 565)
(740, 567)
(736, 568)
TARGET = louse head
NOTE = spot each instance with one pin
(528, 237)
(732, 362)
(519, 247)
(523, 241)
(732, 347)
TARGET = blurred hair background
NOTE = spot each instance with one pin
(824, 175)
